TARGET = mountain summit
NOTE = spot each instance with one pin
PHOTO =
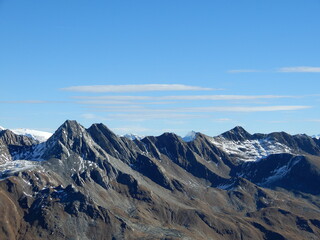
(237, 134)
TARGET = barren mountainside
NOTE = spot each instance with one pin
(92, 184)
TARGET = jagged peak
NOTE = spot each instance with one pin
(239, 129)
(170, 135)
(237, 133)
(69, 129)
(70, 124)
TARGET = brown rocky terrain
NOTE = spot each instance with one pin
(92, 184)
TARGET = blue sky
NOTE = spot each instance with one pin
(147, 67)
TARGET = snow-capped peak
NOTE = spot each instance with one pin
(35, 134)
(2, 128)
(132, 136)
(190, 136)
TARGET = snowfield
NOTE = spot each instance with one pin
(250, 150)
(34, 134)
(132, 136)
(12, 167)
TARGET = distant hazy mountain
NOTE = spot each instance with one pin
(316, 136)
(92, 184)
(190, 136)
(133, 136)
(35, 134)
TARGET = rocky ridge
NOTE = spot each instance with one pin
(92, 184)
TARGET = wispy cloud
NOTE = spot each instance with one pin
(253, 109)
(222, 120)
(296, 69)
(124, 99)
(122, 103)
(131, 129)
(244, 71)
(24, 102)
(128, 109)
(118, 98)
(31, 102)
(107, 102)
(145, 114)
(313, 120)
(135, 88)
(301, 69)
(277, 121)
(148, 115)
(89, 116)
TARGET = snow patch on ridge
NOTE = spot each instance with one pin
(34, 154)
(250, 150)
(35, 134)
(280, 172)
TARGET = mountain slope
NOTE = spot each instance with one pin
(11, 144)
(92, 184)
(299, 173)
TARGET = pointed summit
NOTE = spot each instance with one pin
(73, 124)
(238, 133)
(169, 136)
(68, 130)
(72, 138)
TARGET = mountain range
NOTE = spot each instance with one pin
(92, 184)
